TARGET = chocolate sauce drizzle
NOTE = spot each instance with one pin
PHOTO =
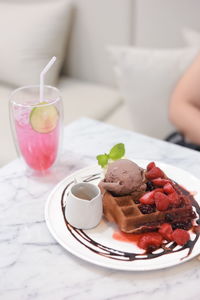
(170, 247)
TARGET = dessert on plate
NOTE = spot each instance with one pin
(147, 202)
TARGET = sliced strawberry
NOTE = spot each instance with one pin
(160, 181)
(168, 188)
(147, 198)
(158, 190)
(174, 199)
(153, 173)
(150, 241)
(151, 165)
(161, 201)
(166, 231)
(180, 236)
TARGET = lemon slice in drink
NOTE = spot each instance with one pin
(44, 119)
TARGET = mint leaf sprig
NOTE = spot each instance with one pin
(102, 159)
(115, 153)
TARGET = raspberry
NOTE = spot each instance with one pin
(168, 188)
(180, 236)
(149, 241)
(174, 199)
(153, 173)
(147, 198)
(160, 181)
(166, 231)
(147, 209)
(150, 165)
(162, 201)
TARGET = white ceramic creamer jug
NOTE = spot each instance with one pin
(83, 208)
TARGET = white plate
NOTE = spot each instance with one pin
(97, 245)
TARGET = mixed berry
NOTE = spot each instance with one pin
(151, 241)
(161, 195)
(161, 192)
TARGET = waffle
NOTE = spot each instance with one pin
(126, 213)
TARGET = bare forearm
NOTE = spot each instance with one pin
(184, 110)
(186, 118)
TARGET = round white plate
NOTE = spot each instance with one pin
(97, 245)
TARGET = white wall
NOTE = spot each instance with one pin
(158, 23)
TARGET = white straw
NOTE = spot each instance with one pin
(42, 74)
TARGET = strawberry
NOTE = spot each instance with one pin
(166, 231)
(161, 201)
(147, 198)
(180, 236)
(153, 173)
(150, 241)
(150, 165)
(158, 190)
(160, 181)
(174, 199)
(168, 188)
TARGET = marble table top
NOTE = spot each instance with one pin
(34, 266)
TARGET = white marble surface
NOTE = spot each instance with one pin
(34, 266)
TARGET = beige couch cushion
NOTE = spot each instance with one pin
(191, 37)
(96, 24)
(80, 99)
(7, 150)
(85, 99)
(31, 33)
(121, 117)
(146, 79)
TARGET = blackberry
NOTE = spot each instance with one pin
(198, 221)
(169, 218)
(147, 208)
(186, 225)
(151, 248)
(137, 201)
(193, 215)
(150, 186)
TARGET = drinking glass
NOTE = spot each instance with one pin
(37, 125)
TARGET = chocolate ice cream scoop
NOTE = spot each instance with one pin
(124, 177)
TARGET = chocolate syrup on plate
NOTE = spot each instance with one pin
(100, 249)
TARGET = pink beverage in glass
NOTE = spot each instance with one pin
(38, 149)
(37, 125)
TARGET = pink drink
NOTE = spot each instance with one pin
(38, 149)
(37, 125)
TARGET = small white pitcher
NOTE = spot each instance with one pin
(83, 208)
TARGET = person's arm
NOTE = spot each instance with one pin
(184, 108)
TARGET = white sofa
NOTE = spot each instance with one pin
(87, 82)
